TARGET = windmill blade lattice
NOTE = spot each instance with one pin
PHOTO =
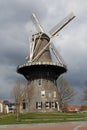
(37, 23)
(63, 23)
(57, 55)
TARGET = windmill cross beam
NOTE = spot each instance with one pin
(53, 32)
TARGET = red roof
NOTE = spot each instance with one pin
(72, 108)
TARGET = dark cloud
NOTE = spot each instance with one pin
(15, 30)
(18, 12)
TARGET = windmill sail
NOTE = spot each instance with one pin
(57, 55)
(37, 23)
(63, 23)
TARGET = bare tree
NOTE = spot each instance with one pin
(28, 91)
(65, 91)
(22, 94)
(17, 93)
(84, 97)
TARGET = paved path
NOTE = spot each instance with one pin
(81, 127)
(51, 126)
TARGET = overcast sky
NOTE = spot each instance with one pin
(16, 28)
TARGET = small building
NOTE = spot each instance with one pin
(72, 109)
(1, 106)
(9, 107)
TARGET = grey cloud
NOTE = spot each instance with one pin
(15, 27)
(18, 12)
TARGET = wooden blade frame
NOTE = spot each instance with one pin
(63, 23)
(37, 23)
(58, 57)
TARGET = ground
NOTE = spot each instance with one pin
(51, 126)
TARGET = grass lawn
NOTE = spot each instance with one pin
(42, 118)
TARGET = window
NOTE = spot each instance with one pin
(38, 105)
(24, 104)
(42, 93)
(54, 105)
(49, 95)
(54, 94)
(39, 82)
(47, 105)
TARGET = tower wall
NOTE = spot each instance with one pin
(44, 97)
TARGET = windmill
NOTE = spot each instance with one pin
(40, 70)
(53, 32)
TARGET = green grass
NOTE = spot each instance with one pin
(42, 118)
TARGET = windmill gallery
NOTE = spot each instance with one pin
(40, 70)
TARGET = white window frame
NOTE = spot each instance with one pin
(47, 105)
(54, 94)
(53, 105)
(43, 94)
(39, 105)
(49, 95)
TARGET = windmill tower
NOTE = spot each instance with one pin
(40, 71)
